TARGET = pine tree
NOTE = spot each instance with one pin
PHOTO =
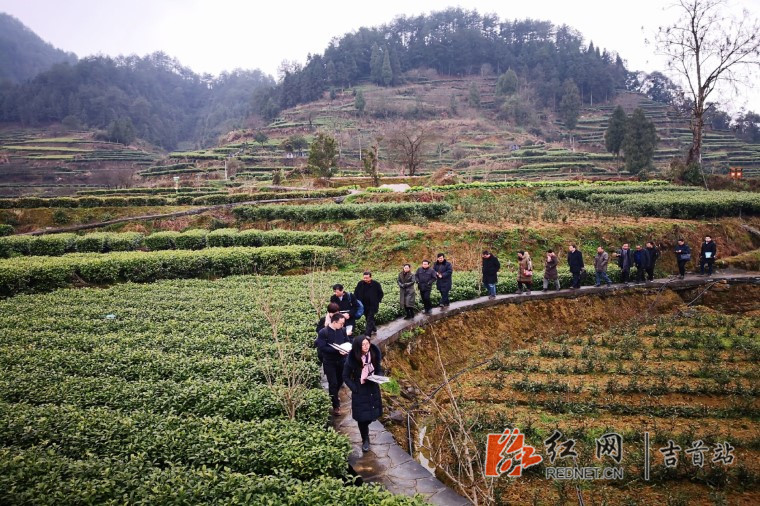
(570, 105)
(323, 156)
(613, 137)
(395, 66)
(359, 102)
(474, 96)
(507, 83)
(376, 65)
(387, 72)
(639, 142)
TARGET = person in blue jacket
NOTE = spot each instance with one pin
(366, 401)
(683, 255)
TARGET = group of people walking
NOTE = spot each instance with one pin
(358, 359)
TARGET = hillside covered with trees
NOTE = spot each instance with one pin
(454, 42)
(152, 97)
(23, 54)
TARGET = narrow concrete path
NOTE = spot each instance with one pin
(388, 464)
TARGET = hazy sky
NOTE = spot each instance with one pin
(216, 35)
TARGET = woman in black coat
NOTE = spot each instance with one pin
(366, 403)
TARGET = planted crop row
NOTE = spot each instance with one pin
(36, 274)
(334, 212)
(538, 184)
(148, 365)
(182, 199)
(234, 400)
(46, 477)
(585, 192)
(262, 447)
(685, 204)
(104, 242)
(149, 191)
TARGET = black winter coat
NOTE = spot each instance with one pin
(491, 268)
(370, 294)
(445, 269)
(424, 278)
(366, 401)
(681, 251)
(575, 261)
(328, 336)
(348, 303)
(708, 247)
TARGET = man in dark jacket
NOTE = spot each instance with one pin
(654, 254)
(575, 262)
(332, 359)
(370, 293)
(347, 305)
(443, 271)
(625, 261)
(641, 259)
(683, 255)
(491, 268)
(707, 256)
(425, 276)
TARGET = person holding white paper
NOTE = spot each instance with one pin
(333, 360)
(366, 402)
(707, 256)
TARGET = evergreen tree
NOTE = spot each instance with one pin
(570, 105)
(376, 65)
(387, 72)
(323, 156)
(507, 83)
(359, 102)
(474, 96)
(639, 142)
(395, 66)
(613, 137)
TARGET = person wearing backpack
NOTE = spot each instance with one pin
(332, 308)
(349, 305)
(332, 359)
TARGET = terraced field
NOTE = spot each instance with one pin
(689, 377)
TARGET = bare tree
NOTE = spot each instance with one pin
(468, 469)
(708, 48)
(284, 372)
(318, 283)
(407, 145)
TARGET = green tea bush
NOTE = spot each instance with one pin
(45, 477)
(39, 274)
(261, 447)
(335, 212)
(15, 245)
(191, 239)
(221, 237)
(6, 230)
(161, 240)
(52, 245)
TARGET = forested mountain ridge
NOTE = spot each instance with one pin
(23, 54)
(152, 97)
(157, 99)
(454, 42)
